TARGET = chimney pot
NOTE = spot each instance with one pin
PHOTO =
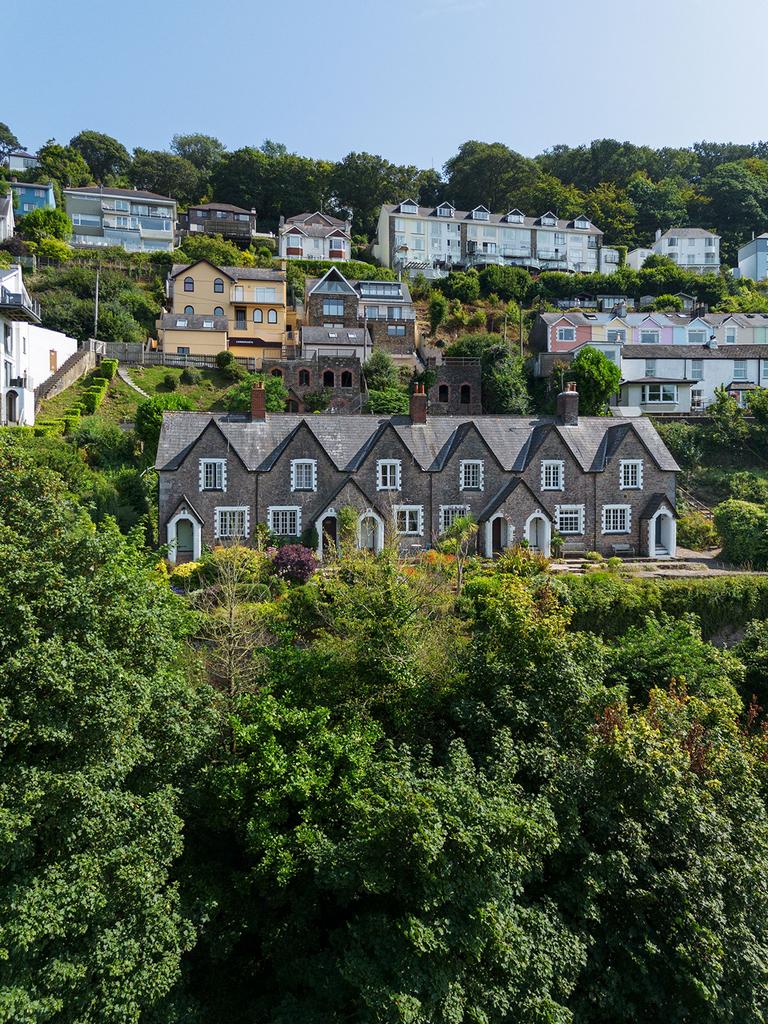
(258, 402)
(568, 405)
(418, 404)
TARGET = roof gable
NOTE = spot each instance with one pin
(185, 268)
(457, 439)
(334, 274)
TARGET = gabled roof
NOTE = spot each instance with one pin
(348, 481)
(656, 502)
(549, 216)
(348, 440)
(333, 274)
(233, 273)
(186, 504)
(498, 499)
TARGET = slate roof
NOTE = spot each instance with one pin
(194, 322)
(221, 206)
(118, 193)
(300, 218)
(236, 273)
(590, 318)
(347, 440)
(694, 352)
(493, 218)
(689, 233)
(335, 336)
(404, 296)
(654, 504)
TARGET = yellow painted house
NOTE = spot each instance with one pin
(241, 309)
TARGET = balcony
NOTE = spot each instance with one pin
(404, 314)
(19, 306)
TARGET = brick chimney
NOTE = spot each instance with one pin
(568, 405)
(258, 402)
(418, 404)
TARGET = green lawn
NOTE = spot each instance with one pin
(119, 405)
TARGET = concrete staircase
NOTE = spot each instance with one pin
(72, 369)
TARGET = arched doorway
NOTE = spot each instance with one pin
(662, 535)
(538, 533)
(370, 531)
(327, 534)
(184, 539)
(498, 536)
(11, 407)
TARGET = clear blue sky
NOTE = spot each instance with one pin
(410, 79)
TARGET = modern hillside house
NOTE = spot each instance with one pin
(435, 239)
(694, 249)
(32, 195)
(604, 484)
(30, 354)
(315, 236)
(753, 259)
(135, 221)
(231, 222)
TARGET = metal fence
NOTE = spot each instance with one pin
(137, 355)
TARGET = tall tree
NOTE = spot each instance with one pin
(63, 164)
(203, 151)
(488, 173)
(105, 156)
(8, 141)
(166, 174)
(597, 380)
(98, 727)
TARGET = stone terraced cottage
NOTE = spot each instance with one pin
(604, 484)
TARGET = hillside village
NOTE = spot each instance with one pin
(385, 585)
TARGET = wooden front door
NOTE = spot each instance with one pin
(53, 360)
(497, 536)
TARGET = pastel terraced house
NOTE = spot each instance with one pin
(670, 362)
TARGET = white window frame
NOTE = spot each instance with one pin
(450, 511)
(561, 510)
(388, 464)
(697, 332)
(297, 464)
(661, 400)
(644, 332)
(609, 510)
(274, 510)
(469, 465)
(731, 330)
(408, 511)
(697, 371)
(548, 468)
(743, 373)
(570, 330)
(225, 509)
(219, 467)
(630, 469)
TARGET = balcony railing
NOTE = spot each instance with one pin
(405, 314)
(19, 306)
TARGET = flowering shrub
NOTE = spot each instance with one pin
(294, 562)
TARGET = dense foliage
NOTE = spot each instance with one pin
(525, 798)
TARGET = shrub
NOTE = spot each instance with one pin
(189, 375)
(684, 441)
(238, 398)
(391, 402)
(224, 360)
(294, 562)
(71, 423)
(748, 486)
(696, 532)
(149, 419)
(521, 561)
(108, 368)
(170, 382)
(743, 530)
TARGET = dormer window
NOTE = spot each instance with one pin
(581, 222)
(444, 210)
(549, 220)
(409, 207)
(481, 213)
(515, 217)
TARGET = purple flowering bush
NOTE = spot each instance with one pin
(294, 562)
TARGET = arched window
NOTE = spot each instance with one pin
(346, 378)
(219, 311)
(443, 393)
(218, 285)
(277, 373)
(304, 378)
(272, 316)
(258, 316)
(189, 284)
(329, 380)
(465, 395)
(189, 309)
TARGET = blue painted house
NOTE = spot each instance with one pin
(28, 196)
